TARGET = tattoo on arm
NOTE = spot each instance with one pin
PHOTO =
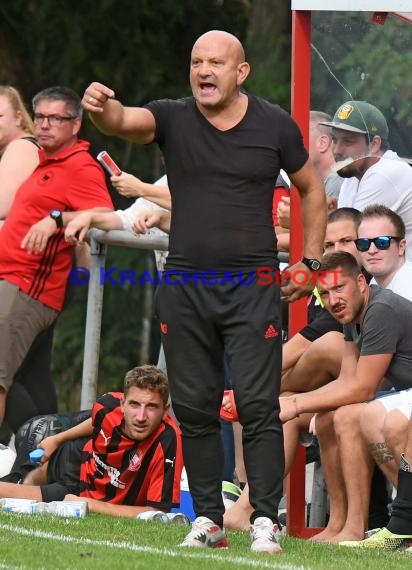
(381, 453)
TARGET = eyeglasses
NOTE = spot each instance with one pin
(53, 120)
(381, 242)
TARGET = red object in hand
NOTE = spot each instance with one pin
(108, 163)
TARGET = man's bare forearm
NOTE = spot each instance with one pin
(106, 508)
(84, 429)
(69, 216)
(106, 221)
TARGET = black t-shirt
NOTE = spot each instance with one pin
(321, 324)
(222, 182)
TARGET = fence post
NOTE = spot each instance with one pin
(93, 325)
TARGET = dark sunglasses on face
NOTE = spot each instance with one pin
(381, 242)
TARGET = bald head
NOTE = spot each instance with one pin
(222, 39)
(217, 72)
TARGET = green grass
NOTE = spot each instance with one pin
(45, 542)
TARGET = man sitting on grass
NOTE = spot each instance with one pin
(124, 460)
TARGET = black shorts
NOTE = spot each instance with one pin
(63, 471)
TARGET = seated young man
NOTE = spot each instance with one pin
(381, 424)
(124, 460)
(371, 352)
(384, 421)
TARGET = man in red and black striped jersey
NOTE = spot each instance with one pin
(35, 260)
(125, 459)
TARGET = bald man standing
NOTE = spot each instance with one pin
(223, 150)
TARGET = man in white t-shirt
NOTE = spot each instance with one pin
(384, 422)
(360, 142)
(121, 220)
(129, 216)
(382, 244)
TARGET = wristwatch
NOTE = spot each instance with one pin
(57, 216)
(313, 264)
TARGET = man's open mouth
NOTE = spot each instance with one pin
(207, 87)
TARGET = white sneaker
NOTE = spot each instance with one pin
(205, 533)
(265, 535)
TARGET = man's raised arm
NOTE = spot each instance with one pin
(112, 118)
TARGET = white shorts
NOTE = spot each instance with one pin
(401, 401)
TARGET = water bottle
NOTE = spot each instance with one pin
(178, 518)
(36, 455)
(11, 505)
(68, 508)
(40, 507)
(158, 516)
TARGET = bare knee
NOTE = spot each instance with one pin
(328, 350)
(395, 429)
(371, 421)
(324, 423)
(37, 477)
(347, 420)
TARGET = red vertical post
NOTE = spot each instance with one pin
(300, 106)
(300, 97)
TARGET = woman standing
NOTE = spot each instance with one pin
(18, 147)
(19, 156)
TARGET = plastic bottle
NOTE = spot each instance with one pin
(36, 455)
(11, 505)
(153, 516)
(178, 518)
(40, 507)
(67, 508)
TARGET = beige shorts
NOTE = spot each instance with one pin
(22, 318)
(401, 401)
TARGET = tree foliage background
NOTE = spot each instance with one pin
(141, 49)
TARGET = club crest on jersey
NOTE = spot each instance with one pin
(136, 461)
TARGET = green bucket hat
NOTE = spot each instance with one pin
(359, 117)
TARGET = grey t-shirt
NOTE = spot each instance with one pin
(386, 329)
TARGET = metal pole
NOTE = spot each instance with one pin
(93, 325)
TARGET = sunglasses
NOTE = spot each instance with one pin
(381, 242)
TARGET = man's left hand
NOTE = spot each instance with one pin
(36, 239)
(297, 281)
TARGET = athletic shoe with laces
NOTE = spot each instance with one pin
(384, 539)
(265, 535)
(205, 533)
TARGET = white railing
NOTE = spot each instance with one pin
(99, 240)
